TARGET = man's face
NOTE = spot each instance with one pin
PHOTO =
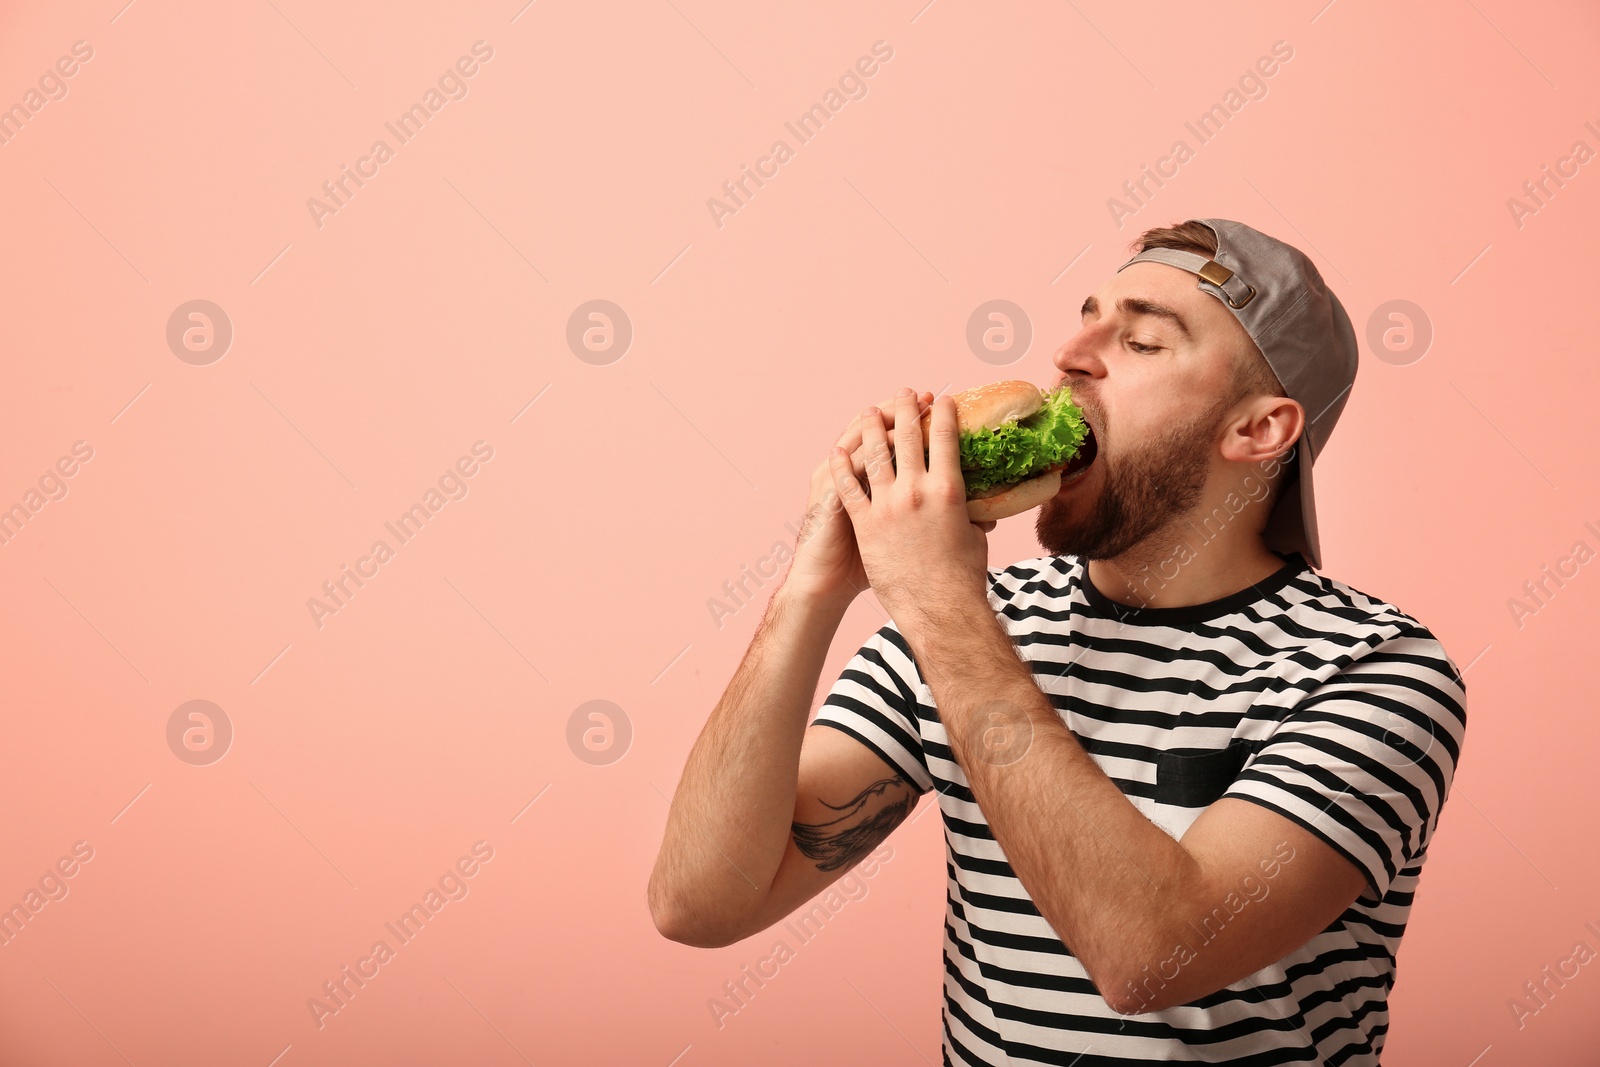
(1154, 391)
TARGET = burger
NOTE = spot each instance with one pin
(1018, 443)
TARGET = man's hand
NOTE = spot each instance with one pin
(827, 563)
(918, 548)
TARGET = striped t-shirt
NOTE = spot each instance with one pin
(1300, 694)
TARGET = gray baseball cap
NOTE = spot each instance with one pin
(1303, 331)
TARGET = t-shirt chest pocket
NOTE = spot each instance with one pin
(1197, 779)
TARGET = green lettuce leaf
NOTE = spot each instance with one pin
(1019, 450)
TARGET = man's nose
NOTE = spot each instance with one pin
(1080, 355)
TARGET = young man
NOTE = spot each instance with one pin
(1188, 783)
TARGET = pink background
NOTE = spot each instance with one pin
(370, 353)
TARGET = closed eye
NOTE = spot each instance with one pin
(1142, 349)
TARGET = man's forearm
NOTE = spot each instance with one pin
(1110, 882)
(730, 817)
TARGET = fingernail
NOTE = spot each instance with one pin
(906, 391)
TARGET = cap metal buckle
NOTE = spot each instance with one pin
(1218, 275)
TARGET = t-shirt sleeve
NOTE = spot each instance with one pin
(875, 702)
(1365, 761)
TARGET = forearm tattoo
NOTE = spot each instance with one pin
(836, 843)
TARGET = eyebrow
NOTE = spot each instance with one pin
(1132, 305)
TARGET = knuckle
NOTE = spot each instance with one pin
(950, 492)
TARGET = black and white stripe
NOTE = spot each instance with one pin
(1300, 694)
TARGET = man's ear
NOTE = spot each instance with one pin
(1265, 427)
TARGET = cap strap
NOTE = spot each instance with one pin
(1232, 288)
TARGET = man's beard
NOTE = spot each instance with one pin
(1148, 487)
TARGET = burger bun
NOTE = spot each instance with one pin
(1014, 501)
(989, 406)
(985, 408)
